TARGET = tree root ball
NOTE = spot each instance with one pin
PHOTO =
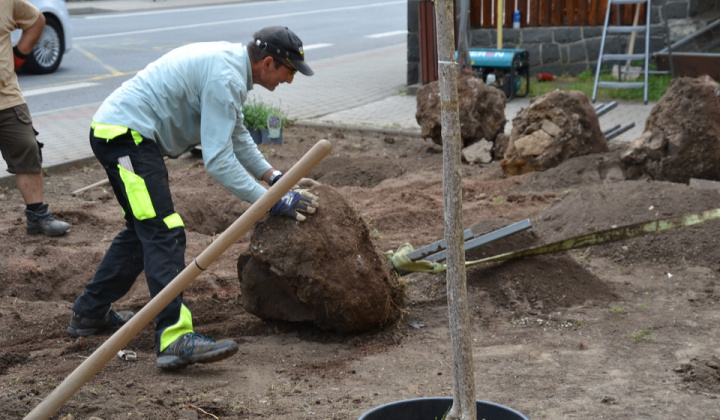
(557, 126)
(682, 135)
(326, 270)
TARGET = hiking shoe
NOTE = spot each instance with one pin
(194, 348)
(42, 221)
(81, 326)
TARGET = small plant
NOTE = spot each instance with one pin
(643, 335)
(259, 115)
(274, 121)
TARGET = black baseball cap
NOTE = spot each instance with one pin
(281, 42)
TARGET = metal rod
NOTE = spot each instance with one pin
(605, 108)
(87, 187)
(610, 130)
(690, 37)
(485, 239)
(619, 131)
(434, 247)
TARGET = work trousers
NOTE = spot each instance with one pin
(154, 243)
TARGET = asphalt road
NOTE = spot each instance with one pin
(109, 48)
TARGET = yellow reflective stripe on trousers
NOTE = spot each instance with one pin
(107, 131)
(173, 332)
(110, 131)
(138, 195)
(136, 136)
(173, 221)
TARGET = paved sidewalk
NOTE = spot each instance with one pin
(365, 90)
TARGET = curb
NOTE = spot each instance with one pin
(8, 180)
(380, 130)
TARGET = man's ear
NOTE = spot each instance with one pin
(268, 62)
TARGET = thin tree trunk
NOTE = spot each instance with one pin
(464, 407)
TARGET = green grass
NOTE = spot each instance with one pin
(584, 82)
(643, 335)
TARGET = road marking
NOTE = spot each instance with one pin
(163, 12)
(233, 21)
(54, 89)
(386, 34)
(91, 56)
(316, 46)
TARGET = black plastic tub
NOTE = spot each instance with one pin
(435, 409)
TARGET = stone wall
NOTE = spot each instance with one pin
(574, 49)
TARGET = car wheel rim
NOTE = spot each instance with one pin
(47, 48)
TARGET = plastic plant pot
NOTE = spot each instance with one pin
(435, 409)
(263, 136)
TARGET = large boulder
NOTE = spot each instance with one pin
(554, 128)
(325, 270)
(682, 135)
(481, 108)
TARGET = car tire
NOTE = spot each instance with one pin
(49, 49)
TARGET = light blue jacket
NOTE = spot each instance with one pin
(194, 95)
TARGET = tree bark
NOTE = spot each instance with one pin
(464, 407)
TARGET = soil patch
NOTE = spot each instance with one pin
(625, 330)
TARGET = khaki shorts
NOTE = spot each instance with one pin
(18, 145)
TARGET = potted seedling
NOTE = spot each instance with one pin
(264, 122)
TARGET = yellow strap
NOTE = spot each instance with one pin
(402, 262)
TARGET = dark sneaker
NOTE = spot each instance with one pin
(194, 348)
(82, 327)
(42, 221)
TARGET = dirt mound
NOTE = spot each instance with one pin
(348, 172)
(528, 286)
(701, 375)
(203, 204)
(582, 170)
(637, 201)
(538, 285)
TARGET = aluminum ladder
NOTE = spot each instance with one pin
(624, 29)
